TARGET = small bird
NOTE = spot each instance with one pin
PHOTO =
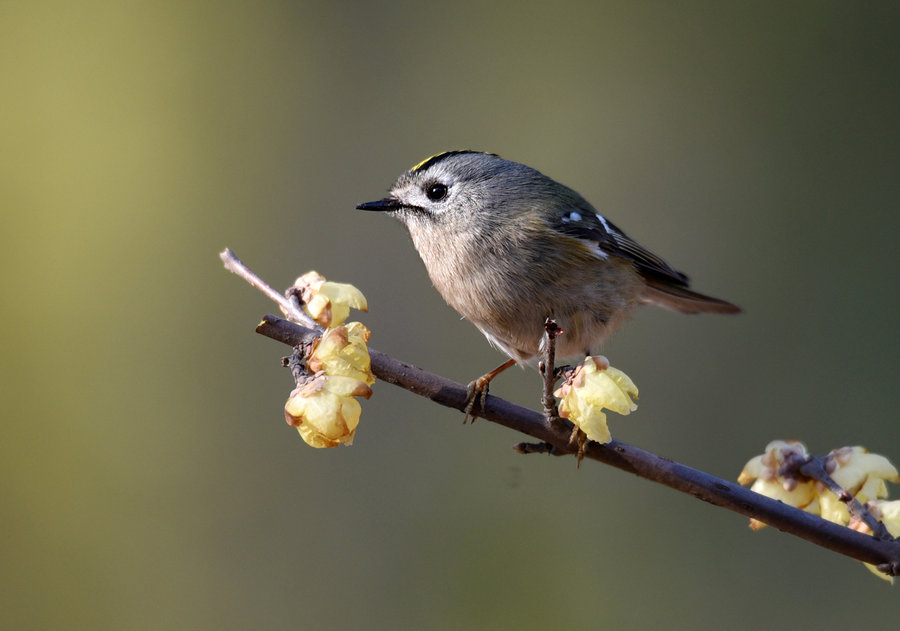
(508, 247)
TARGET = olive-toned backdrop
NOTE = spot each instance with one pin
(148, 478)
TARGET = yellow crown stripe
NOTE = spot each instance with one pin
(430, 159)
(427, 162)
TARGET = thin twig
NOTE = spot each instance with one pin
(290, 306)
(547, 368)
(296, 363)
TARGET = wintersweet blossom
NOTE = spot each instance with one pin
(593, 387)
(326, 302)
(889, 514)
(860, 473)
(771, 478)
(777, 474)
(324, 409)
(323, 406)
(343, 351)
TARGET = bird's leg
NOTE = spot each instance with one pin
(548, 370)
(480, 387)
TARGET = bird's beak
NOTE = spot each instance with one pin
(386, 204)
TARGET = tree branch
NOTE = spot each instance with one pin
(556, 440)
(555, 437)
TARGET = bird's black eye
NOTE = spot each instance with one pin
(436, 191)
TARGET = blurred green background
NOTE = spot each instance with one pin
(148, 478)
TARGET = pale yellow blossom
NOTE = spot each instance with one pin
(889, 514)
(324, 409)
(769, 479)
(801, 495)
(326, 302)
(343, 351)
(593, 387)
(768, 464)
(863, 475)
(860, 473)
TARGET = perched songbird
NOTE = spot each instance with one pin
(508, 247)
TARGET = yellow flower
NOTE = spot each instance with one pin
(862, 473)
(593, 387)
(889, 514)
(770, 479)
(801, 495)
(324, 411)
(775, 474)
(343, 351)
(326, 302)
(858, 472)
(768, 465)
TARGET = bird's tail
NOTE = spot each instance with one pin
(684, 300)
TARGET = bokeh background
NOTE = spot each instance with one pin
(148, 478)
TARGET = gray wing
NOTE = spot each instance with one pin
(591, 226)
(665, 286)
